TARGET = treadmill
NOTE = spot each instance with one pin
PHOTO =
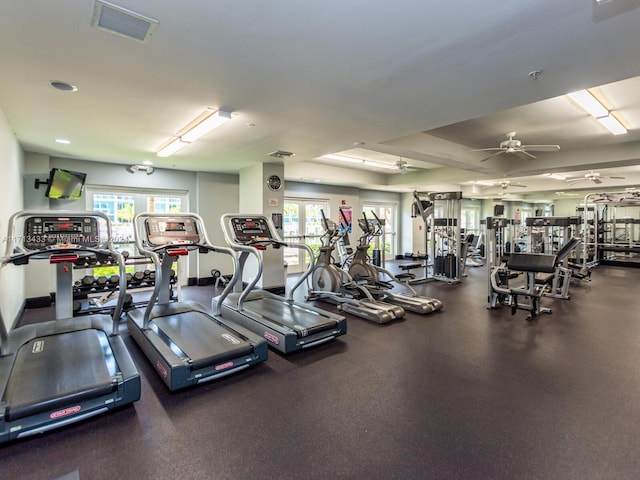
(65, 370)
(185, 342)
(287, 325)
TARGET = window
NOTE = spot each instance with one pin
(470, 220)
(121, 207)
(387, 242)
(164, 204)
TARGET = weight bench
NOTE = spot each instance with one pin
(531, 264)
(406, 268)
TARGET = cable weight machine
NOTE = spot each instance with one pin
(441, 215)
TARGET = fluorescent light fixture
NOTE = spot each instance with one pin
(171, 147)
(555, 176)
(612, 124)
(342, 158)
(358, 161)
(484, 183)
(194, 130)
(369, 163)
(63, 141)
(593, 106)
(589, 103)
(212, 121)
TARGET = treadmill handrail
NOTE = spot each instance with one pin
(152, 252)
(225, 222)
(14, 252)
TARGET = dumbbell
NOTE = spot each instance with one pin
(114, 280)
(137, 278)
(101, 282)
(128, 300)
(88, 280)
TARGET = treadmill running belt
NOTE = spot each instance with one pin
(303, 321)
(201, 338)
(57, 370)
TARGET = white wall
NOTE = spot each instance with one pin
(217, 194)
(11, 277)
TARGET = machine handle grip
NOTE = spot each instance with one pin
(177, 252)
(63, 258)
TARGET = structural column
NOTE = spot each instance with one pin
(262, 192)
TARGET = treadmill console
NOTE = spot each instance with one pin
(43, 232)
(246, 229)
(171, 231)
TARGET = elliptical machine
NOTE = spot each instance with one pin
(332, 284)
(380, 281)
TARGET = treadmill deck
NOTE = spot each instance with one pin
(55, 370)
(296, 317)
(195, 336)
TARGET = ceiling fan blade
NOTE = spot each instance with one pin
(597, 180)
(542, 148)
(491, 156)
(526, 153)
(518, 185)
(485, 149)
(573, 181)
(618, 178)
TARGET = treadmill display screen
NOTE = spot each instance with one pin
(43, 232)
(175, 227)
(171, 231)
(248, 229)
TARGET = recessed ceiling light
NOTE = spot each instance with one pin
(63, 141)
(147, 162)
(63, 86)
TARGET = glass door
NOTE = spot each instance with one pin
(302, 223)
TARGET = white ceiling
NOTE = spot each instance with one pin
(425, 82)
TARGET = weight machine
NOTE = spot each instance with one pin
(607, 238)
(441, 215)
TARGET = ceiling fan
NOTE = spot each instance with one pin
(506, 184)
(513, 145)
(595, 177)
(402, 166)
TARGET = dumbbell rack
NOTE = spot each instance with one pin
(92, 294)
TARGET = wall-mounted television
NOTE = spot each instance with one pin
(498, 210)
(65, 184)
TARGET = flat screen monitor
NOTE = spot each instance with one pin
(65, 184)
(498, 210)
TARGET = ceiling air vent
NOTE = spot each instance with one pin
(123, 22)
(281, 154)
